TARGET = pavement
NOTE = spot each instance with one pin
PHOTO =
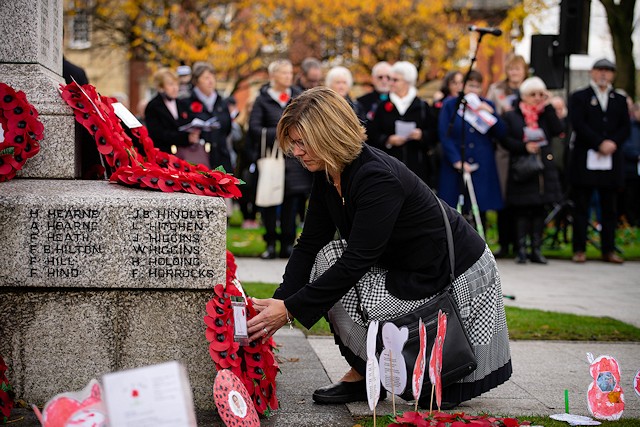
(542, 370)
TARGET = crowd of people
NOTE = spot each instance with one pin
(519, 149)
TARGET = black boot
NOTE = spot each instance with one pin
(521, 240)
(270, 253)
(536, 241)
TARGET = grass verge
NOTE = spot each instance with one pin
(524, 324)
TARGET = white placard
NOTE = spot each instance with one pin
(373, 369)
(481, 120)
(599, 162)
(126, 116)
(404, 129)
(152, 396)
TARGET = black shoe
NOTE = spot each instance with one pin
(285, 251)
(537, 257)
(345, 392)
(270, 253)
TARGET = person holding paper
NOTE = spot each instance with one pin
(392, 246)
(600, 120)
(403, 126)
(206, 104)
(531, 127)
(163, 114)
(479, 154)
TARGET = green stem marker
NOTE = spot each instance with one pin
(566, 401)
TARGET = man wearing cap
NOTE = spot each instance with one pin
(184, 79)
(600, 120)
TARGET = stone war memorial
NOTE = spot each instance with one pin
(94, 277)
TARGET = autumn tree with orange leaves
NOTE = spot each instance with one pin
(242, 36)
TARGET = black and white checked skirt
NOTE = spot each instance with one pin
(479, 296)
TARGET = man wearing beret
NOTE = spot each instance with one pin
(601, 124)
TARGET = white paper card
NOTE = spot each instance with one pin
(599, 162)
(126, 116)
(575, 420)
(152, 396)
(404, 129)
(481, 120)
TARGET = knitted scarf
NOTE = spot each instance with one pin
(531, 113)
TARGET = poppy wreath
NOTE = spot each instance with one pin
(22, 131)
(6, 394)
(254, 364)
(153, 168)
(443, 419)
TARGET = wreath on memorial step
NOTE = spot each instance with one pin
(6, 393)
(254, 364)
(21, 131)
(155, 169)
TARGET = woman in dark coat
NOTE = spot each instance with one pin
(393, 248)
(266, 112)
(205, 103)
(163, 114)
(403, 111)
(529, 196)
(478, 152)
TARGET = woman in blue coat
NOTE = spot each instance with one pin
(479, 154)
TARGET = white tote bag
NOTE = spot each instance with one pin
(270, 190)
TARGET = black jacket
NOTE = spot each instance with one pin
(162, 127)
(591, 126)
(265, 114)
(414, 152)
(219, 154)
(388, 217)
(546, 186)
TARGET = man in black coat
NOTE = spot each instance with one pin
(600, 120)
(381, 80)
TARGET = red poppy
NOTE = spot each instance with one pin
(388, 106)
(196, 107)
(284, 97)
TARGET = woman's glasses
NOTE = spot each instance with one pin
(395, 79)
(383, 77)
(299, 144)
(540, 94)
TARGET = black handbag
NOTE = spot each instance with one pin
(458, 357)
(526, 167)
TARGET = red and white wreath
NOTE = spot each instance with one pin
(152, 169)
(21, 131)
(255, 364)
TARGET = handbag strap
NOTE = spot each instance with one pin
(450, 248)
(275, 151)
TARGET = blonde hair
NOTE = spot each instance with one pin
(328, 126)
(161, 75)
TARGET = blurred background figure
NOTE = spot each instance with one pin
(403, 126)
(184, 81)
(340, 79)
(479, 154)
(205, 103)
(631, 149)
(531, 127)
(504, 95)
(381, 80)
(163, 114)
(451, 86)
(310, 74)
(91, 164)
(267, 110)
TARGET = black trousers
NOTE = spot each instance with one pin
(288, 212)
(608, 205)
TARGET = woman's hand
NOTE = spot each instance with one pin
(416, 134)
(194, 136)
(532, 147)
(272, 315)
(396, 140)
